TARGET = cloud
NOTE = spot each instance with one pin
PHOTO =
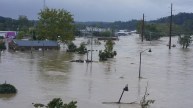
(97, 10)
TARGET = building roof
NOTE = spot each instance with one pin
(35, 43)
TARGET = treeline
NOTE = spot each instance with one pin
(182, 24)
(22, 23)
(117, 25)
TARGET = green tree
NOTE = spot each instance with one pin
(71, 47)
(23, 23)
(184, 40)
(82, 49)
(20, 35)
(109, 46)
(108, 52)
(2, 45)
(53, 23)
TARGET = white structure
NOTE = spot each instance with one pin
(124, 33)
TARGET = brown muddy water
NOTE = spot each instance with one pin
(39, 78)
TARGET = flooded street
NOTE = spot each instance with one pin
(39, 79)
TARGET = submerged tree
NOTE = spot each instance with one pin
(71, 47)
(54, 24)
(145, 103)
(108, 52)
(82, 49)
(184, 40)
(56, 103)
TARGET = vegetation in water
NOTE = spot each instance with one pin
(184, 40)
(56, 103)
(145, 103)
(108, 52)
(80, 50)
(7, 89)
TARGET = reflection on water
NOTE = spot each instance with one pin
(40, 78)
(7, 97)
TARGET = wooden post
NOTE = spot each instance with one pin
(91, 44)
(140, 66)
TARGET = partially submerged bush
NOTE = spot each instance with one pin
(104, 55)
(82, 49)
(108, 52)
(56, 103)
(2, 46)
(7, 89)
(145, 103)
(71, 47)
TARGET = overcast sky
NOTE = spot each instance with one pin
(97, 10)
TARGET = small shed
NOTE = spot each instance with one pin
(33, 44)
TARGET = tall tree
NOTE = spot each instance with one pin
(23, 23)
(54, 24)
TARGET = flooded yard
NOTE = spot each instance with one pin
(39, 79)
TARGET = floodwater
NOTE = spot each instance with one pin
(40, 78)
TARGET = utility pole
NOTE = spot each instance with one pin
(44, 4)
(170, 29)
(91, 43)
(142, 29)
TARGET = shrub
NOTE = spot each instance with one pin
(56, 103)
(82, 49)
(71, 47)
(2, 46)
(7, 89)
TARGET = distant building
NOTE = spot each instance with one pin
(36, 45)
(122, 33)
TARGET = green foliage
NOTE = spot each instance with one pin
(20, 35)
(56, 103)
(152, 31)
(184, 40)
(117, 25)
(108, 52)
(71, 47)
(109, 45)
(23, 23)
(53, 23)
(82, 49)
(2, 46)
(7, 89)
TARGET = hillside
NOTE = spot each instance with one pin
(184, 20)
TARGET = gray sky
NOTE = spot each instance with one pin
(98, 10)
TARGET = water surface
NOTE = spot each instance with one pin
(39, 78)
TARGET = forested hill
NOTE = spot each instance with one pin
(184, 20)
(178, 19)
(130, 25)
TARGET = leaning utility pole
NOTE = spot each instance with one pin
(142, 29)
(170, 29)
